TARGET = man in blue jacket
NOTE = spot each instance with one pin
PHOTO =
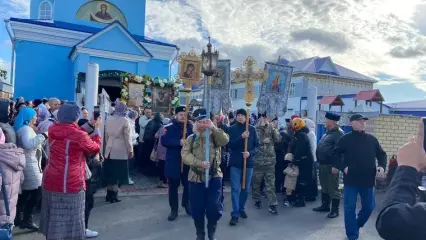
(237, 135)
(173, 141)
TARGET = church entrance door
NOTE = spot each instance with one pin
(110, 81)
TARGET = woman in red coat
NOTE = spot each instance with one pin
(64, 185)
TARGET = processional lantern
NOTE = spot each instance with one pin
(248, 74)
(209, 60)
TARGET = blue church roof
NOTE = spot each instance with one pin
(82, 28)
(314, 65)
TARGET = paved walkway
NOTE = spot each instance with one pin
(145, 218)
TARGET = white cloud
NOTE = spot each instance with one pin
(15, 8)
(4, 65)
(368, 36)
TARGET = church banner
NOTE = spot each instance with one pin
(220, 88)
(275, 90)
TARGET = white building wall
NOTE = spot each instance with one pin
(298, 89)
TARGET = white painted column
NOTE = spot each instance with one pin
(92, 83)
(312, 103)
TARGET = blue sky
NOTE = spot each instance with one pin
(384, 39)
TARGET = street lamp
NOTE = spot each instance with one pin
(209, 60)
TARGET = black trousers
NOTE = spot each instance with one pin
(90, 202)
(27, 202)
(279, 175)
(173, 192)
(161, 164)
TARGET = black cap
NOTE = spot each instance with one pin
(200, 114)
(357, 117)
(180, 109)
(332, 116)
(287, 120)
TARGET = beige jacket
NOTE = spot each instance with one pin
(195, 158)
(118, 138)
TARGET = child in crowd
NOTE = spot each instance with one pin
(291, 173)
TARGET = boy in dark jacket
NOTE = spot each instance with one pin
(237, 135)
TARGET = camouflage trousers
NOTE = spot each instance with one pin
(266, 173)
(329, 181)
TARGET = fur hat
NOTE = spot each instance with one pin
(180, 109)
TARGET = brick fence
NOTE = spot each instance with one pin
(392, 131)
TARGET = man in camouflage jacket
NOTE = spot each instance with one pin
(264, 166)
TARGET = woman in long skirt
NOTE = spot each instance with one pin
(118, 151)
(63, 202)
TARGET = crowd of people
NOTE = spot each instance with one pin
(50, 152)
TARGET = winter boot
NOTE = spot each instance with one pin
(334, 208)
(27, 222)
(173, 215)
(113, 198)
(233, 221)
(108, 196)
(325, 206)
(211, 231)
(199, 226)
(273, 209)
(258, 204)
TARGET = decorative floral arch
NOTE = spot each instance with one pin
(148, 84)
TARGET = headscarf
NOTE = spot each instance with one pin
(68, 113)
(166, 121)
(298, 124)
(24, 117)
(120, 108)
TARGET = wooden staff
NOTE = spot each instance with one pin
(246, 146)
(185, 130)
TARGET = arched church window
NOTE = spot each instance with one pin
(45, 10)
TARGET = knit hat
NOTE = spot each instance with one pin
(230, 115)
(68, 113)
(294, 116)
(180, 109)
(298, 124)
(242, 111)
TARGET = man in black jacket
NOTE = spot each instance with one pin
(402, 217)
(355, 155)
(329, 181)
(237, 135)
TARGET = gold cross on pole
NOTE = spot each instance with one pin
(248, 75)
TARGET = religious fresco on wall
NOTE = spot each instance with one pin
(101, 12)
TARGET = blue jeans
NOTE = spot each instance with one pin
(238, 195)
(368, 202)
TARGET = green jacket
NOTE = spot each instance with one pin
(268, 136)
(194, 159)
